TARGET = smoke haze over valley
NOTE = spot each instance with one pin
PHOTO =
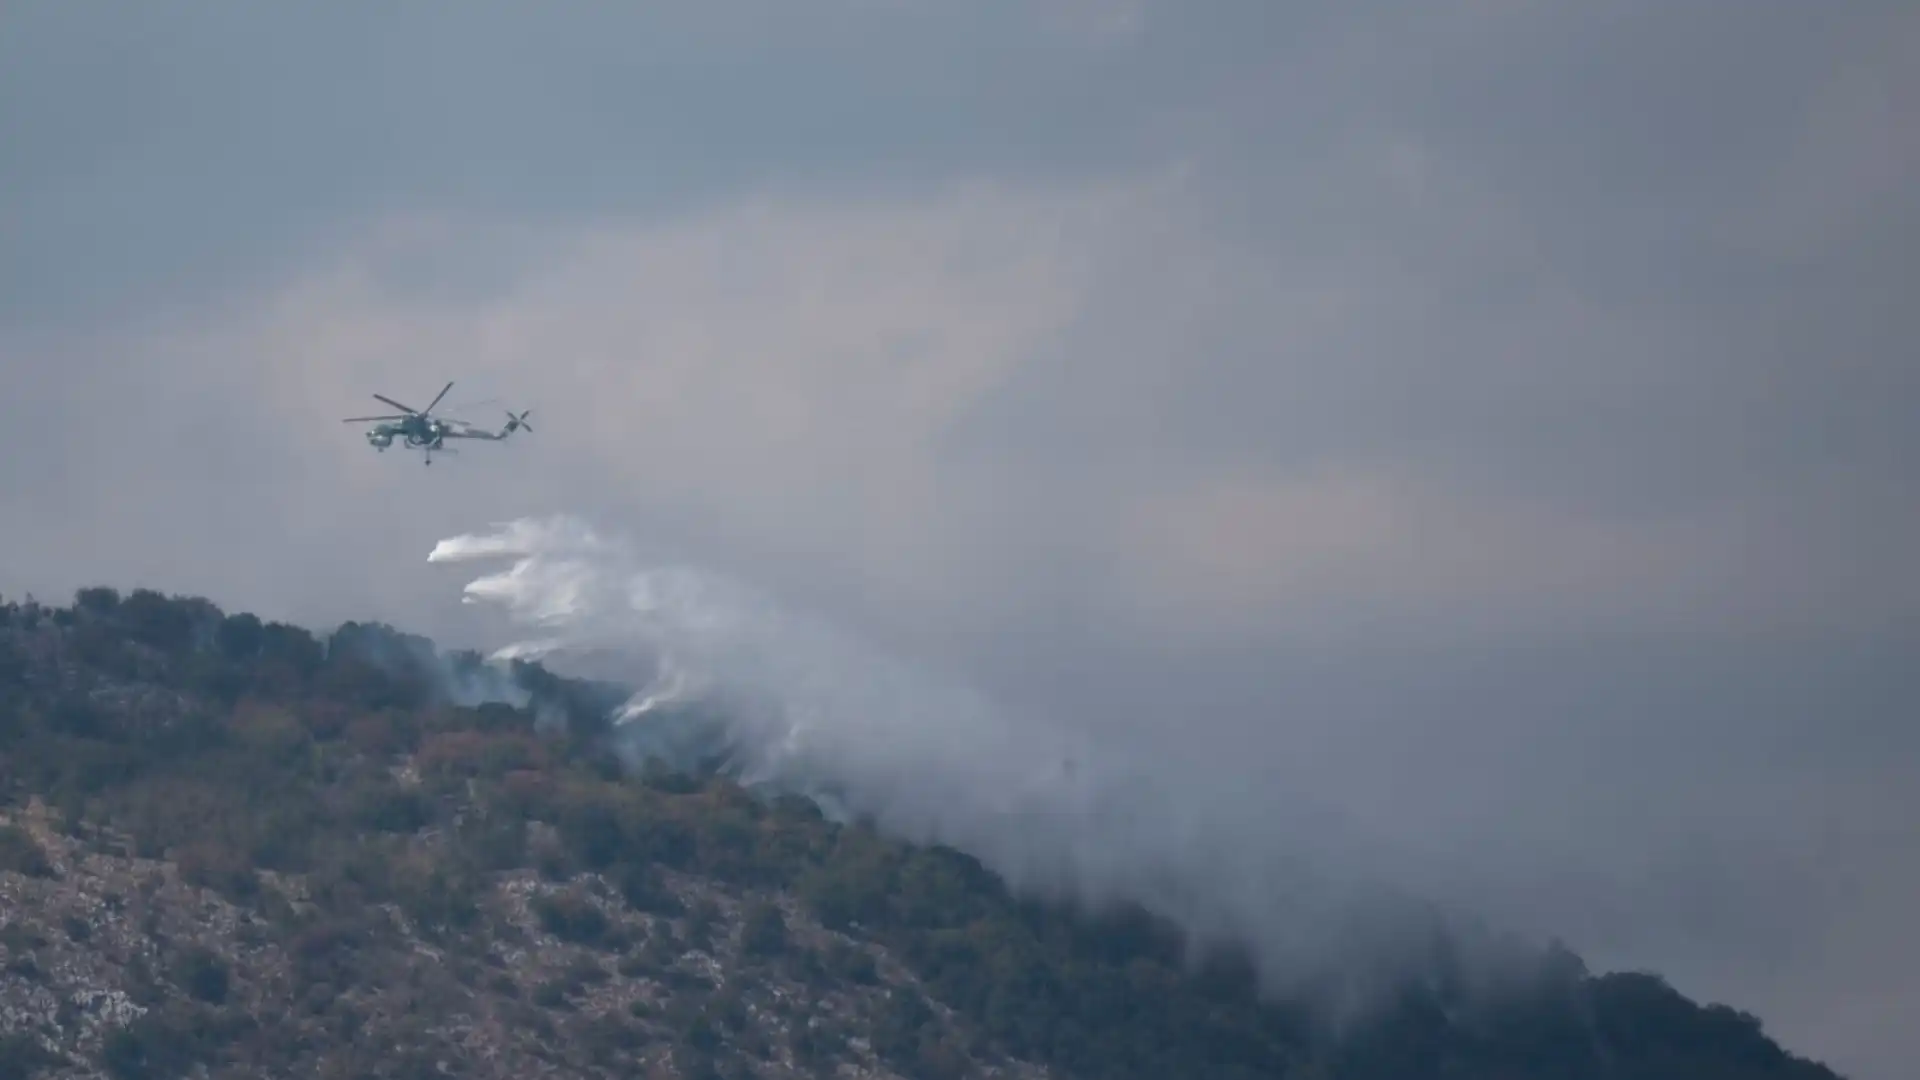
(1463, 449)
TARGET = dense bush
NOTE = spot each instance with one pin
(204, 975)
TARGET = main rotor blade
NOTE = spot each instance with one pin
(369, 419)
(408, 409)
(436, 398)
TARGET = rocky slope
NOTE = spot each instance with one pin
(118, 966)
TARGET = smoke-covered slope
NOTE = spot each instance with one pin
(312, 816)
(788, 704)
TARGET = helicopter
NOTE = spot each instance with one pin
(418, 430)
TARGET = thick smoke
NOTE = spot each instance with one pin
(792, 704)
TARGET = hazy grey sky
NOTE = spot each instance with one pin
(1491, 415)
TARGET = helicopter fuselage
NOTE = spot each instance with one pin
(413, 431)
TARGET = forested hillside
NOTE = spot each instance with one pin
(236, 845)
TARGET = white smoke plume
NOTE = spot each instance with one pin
(795, 705)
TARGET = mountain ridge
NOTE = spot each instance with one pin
(283, 785)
